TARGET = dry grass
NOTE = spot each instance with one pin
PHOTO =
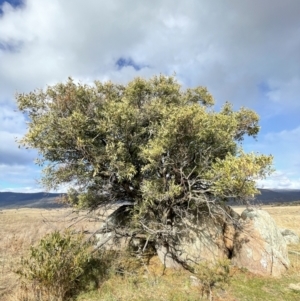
(19, 229)
(153, 283)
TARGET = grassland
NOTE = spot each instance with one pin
(21, 228)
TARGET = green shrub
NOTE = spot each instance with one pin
(60, 266)
(212, 275)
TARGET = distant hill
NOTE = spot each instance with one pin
(29, 200)
(268, 196)
(49, 200)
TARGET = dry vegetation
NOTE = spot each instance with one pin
(21, 228)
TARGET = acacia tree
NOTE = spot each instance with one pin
(149, 142)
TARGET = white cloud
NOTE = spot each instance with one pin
(11, 120)
(10, 153)
(12, 129)
(280, 180)
(285, 93)
(26, 189)
(21, 175)
(286, 136)
(284, 146)
(231, 47)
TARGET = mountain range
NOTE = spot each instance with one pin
(10, 200)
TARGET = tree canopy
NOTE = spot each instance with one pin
(149, 142)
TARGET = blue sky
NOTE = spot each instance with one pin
(245, 52)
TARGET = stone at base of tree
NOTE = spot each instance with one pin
(118, 242)
(259, 245)
(167, 258)
(252, 240)
(289, 236)
(113, 234)
(204, 236)
(109, 241)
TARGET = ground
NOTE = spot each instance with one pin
(19, 228)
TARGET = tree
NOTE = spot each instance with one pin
(149, 142)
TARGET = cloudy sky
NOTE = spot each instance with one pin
(247, 52)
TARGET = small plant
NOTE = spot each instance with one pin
(59, 266)
(212, 275)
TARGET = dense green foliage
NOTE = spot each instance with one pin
(149, 142)
(60, 266)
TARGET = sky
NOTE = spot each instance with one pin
(246, 52)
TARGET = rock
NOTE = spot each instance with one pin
(259, 245)
(167, 258)
(200, 237)
(203, 241)
(117, 219)
(110, 241)
(229, 233)
(252, 240)
(113, 235)
(290, 237)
